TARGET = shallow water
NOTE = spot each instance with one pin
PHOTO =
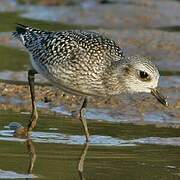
(119, 147)
(116, 150)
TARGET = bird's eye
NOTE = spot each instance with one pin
(144, 76)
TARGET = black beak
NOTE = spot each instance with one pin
(159, 97)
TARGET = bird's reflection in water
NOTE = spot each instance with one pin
(81, 161)
(32, 158)
(32, 155)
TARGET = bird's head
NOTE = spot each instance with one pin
(141, 75)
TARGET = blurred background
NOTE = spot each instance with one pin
(133, 137)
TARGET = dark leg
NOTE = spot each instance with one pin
(83, 119)
(34, 114)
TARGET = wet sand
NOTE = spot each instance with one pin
(138, 108)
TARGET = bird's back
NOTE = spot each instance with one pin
(75, 59)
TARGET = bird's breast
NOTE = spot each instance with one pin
(71, 79)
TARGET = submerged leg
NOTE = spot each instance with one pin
(83, 119)
(34, 114)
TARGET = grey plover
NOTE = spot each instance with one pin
(85, 63)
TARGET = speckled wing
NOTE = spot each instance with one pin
(79, 58)
(73, 59)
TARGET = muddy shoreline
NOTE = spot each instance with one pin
(136, 109)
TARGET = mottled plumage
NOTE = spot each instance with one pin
(86, 63)
(73, 60)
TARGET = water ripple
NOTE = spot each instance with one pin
(96, 140)
(14, 175)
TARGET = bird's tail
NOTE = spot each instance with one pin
(21, 29)
(20, 32)
(26, 33)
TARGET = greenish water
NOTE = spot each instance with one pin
(13, 59)
(56, 159)
(67, 125)
(117, 151)
(9, 20)
(60, 161)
